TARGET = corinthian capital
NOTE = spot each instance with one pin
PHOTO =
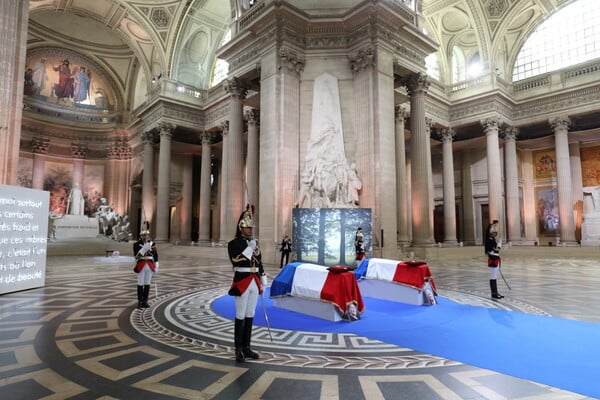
(206, 138)
(147, 137)
(491, 125)
(235, 88)
(78, 150)
(166, 129)
(448, 135)
(416, 83)
(40, 146)
(364, 60)
(251, 116)
(560, 123)
(224, 125)
(401, 113)
(511, 133)
(290, 61)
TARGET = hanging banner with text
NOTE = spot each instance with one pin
(23, 238)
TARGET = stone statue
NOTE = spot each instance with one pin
(75, 203)
(327, 181)
(593, 197)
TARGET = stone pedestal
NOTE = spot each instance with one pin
(590, 229)
(75, 227)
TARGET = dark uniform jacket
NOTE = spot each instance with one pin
(150, 257)
(250, 269)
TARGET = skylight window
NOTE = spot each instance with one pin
(570, 36)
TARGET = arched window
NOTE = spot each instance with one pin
(569, 37)
(221, 67)
(432, 65)
(458, 65)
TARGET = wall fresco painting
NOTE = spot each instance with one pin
(547, 211)
(545, 164)
(65, 78)
(590, 166)
(93, 184)
(25, 172)
(58, 181)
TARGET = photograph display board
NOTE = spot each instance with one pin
(23, 238)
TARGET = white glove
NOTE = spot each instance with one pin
(500, 243)
(156, 267)
(145, 248)
(264, 281)
(252, 244)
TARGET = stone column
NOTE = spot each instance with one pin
(420, 164)
(14, 20)
(118, 172)
(511, 181)
(468, 212)
(252, 171)
(40, 151)
(205, 189)
(148, 179)
(78, 153)
(163, 189)
(401, 187)
(448, 135)
(224, 233)
(560, 125)
(490, 127)
(185, 206)
(234, 180)
(576, 175)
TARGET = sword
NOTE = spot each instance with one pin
(155, 290)
(503, 278)
(262, 302)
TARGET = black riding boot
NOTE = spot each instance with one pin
(238, 338)
(494, 288)
(145, 296)
(247, 336)
(140, 291)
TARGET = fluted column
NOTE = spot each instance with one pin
(401, 187)
(511, 178)
(205, 172)
(560, 125)
(490, 127)
(417, 86)
(14, 19)
(234, 202)
(252, 171)
(148, 179)
(224, 234)
(185, 208)
(577, 192)
(164, 183)
(448, 135)
(40, 151)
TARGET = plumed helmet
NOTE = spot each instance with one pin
(246, 220)
(145, 232)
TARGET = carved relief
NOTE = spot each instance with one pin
(364, 60)
(289, 61)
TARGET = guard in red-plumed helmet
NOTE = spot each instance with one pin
(492, 249)
(146, 266)
(245, 257)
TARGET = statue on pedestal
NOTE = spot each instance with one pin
(75, 203)
(327, 180)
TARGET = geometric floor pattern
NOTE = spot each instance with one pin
(81, 337)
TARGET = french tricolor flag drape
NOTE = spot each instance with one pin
(316, 282)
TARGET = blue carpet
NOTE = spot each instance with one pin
(553, 351)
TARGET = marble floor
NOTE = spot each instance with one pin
(81, 337)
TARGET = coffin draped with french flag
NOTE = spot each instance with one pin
(334, 285)
(408, 273)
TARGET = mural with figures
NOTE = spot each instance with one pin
(590, 165)
(58, 180)
(65, 78)
(545, 164)
(547, 211)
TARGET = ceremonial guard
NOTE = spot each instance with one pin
(359, 245)
(492, 249)
(248, 281)
(146, 266)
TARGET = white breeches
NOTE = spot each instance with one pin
(245, 305)
(494, 272)
(145, 276)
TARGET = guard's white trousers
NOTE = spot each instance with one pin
(245, 305)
